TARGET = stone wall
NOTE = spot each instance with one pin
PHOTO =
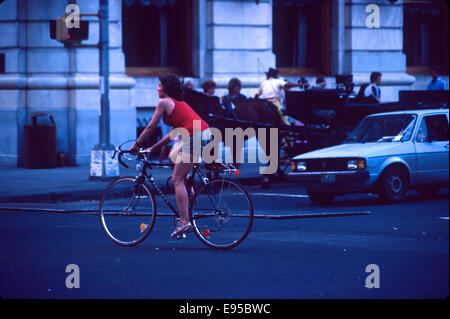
(239, 42)
(42, 75)
(375, 49)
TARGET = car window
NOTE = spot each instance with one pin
(422, 135)
(407, 133)
(433, 128)
(383, 128)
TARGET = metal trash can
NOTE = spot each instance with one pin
(40, 142)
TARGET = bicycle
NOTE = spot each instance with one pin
(220, 210)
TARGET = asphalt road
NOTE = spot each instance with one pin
(281, 258)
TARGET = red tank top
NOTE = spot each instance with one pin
(183, 116)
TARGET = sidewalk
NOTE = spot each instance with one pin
(21, 185)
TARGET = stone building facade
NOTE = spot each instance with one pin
(203, 40)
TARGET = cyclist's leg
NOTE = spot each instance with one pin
(180, 173)
(189, 153)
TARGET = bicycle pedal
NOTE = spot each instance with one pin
(180, 237)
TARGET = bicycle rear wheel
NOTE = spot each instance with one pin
(221, 213)
(127, 211)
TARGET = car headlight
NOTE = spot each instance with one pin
(298, 166)
(356, 164)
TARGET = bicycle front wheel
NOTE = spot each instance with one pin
(127, 211)
(221, 213)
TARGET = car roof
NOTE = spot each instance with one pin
(417, 112)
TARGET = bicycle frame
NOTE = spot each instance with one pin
(143, 175)
(148, 176)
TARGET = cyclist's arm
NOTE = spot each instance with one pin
(164, 141)
(152, 125)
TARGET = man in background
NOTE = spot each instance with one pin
(436, 84)
(373, 89)
(271, 90)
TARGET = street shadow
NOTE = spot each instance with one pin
(192, 248)
(374, 200)
(187, 245)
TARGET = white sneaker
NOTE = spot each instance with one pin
(180, 230)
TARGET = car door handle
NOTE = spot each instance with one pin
(446, 146)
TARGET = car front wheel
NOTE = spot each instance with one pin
(321, 198)
(394, 184)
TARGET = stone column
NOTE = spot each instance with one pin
(374, 49)
(42, 75)
(12, 98)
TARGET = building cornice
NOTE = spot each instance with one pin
(61, 82)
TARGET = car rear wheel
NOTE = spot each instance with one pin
(393, 184)
(321, 198)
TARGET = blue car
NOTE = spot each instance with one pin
(386, 154)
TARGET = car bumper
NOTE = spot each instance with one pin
(333, 180)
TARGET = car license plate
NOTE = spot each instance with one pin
(328, 179)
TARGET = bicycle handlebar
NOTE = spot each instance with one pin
(141, 155)
(121, 152)
(120, 158)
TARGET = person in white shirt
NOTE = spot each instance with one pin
(373, 89)
(271, 90)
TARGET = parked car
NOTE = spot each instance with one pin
(386, 153)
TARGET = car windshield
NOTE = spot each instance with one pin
(383, 128)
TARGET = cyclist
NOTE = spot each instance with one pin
(177, 114)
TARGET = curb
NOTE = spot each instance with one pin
(256, 216)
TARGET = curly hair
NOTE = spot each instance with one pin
(172, 86)
(208, 84)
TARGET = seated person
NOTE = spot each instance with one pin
(370, 93)
(373, 90)
(436, 84)
(209, 88)
(234, 95)
(271, 90)
(188, 83)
